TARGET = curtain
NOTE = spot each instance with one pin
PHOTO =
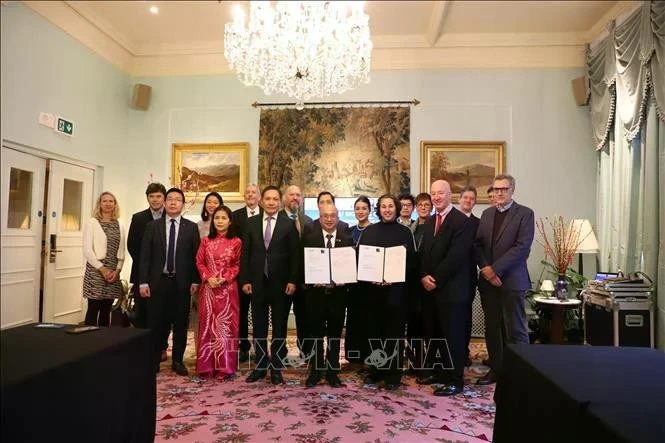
(627, 99)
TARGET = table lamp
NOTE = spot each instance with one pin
(588, 243)
(547, 287)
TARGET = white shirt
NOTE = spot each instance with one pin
(157, 214)
(249, 211)
(445, 212)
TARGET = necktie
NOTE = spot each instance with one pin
(170, 256)
(329, 246)
(294, 217)
(439, 220)
(251, 212)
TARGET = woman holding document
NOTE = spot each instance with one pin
(386, 256)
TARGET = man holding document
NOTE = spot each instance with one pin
(386, 258)
(330, 263)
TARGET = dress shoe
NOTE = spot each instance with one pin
(486, 361)
(179, 368)
(313, 379)
(487, 379)
(243, 356)
(333, 380)
(163, 357)
(449, 390)
(392, 386)
(369, 380)
(256, 375)
(276, 377)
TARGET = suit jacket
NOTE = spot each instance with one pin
(153, 253)
(313, 238)
(475, 221)
(136, 229)
(446, 256)
(239, 217)
(511, 248)
(283, 253)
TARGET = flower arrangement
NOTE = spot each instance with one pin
(563, 243)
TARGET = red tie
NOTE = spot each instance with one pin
(439, 220)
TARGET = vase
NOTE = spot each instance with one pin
(561, 288)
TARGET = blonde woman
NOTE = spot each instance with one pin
(104, 252)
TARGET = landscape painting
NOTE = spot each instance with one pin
(462, 164)
(346, 151)
(201, 168)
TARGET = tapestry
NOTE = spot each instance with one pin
(346, 151)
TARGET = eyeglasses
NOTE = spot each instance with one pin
(329, 216)
(502, 190)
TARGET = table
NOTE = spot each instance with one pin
(569, 393)
(93, 387)
(558, 309)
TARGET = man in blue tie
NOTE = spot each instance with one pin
(269, 273)
(168, 276)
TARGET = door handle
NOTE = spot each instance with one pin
(53, 251)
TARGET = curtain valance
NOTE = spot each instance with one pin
(625, 69)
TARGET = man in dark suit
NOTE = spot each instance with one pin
(326, 198)
(502, 246)
(467, 200)
(292, 208)
(444, 270)
(168, 276)
(155, 193)
(240, 217)
(326, 304)
(269, 272)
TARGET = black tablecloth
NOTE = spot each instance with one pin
(93, 387)
(555, 393)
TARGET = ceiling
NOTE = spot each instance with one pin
(186, 37)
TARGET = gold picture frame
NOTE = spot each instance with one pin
(462, 164)
(200, 168)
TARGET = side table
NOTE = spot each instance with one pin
(558, 309)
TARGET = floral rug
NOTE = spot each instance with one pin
(193, 410)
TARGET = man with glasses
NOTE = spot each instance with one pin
(168, 276)
(502, 246)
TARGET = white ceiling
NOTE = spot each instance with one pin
(187, 36)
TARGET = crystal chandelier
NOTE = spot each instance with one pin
(301, 49)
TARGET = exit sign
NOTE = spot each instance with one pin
(64, 126)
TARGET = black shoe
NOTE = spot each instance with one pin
(179, 369)
(449, 390)
(370, 380)
(243, 356)
(392, 386)
(276, 377)
(468, 362)
(428, 380)
(487, 379)
(333, 380)
(313, 379)
(486, 361)
(256, 375)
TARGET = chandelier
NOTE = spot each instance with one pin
(300, 49)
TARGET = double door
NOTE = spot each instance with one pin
(45, 204)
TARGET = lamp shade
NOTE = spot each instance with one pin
(589, 243)
(547, 286)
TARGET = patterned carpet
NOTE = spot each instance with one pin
(193, 410)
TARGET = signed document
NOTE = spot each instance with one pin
(321, 262)
(377, 264)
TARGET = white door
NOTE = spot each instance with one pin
(23, 178)
(68, 208)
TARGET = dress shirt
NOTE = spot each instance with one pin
(168, 228)
(272, 224)
(249, 211)
(157, 214)
(506, 207)
(445, 212)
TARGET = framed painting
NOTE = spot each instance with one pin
(200, 168)
(461, 164)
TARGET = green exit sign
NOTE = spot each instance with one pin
(64, 126)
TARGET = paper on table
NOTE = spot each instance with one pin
(317, 266)
(370, 263)
(394, 266)
(343, 263)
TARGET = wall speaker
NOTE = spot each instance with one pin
(141, 97)
(579, 86)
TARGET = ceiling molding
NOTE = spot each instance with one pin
(599, 30)
(436, 22)
(81, 29)
(102, 24)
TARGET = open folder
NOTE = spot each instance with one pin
(377, 264)
(325, 266)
